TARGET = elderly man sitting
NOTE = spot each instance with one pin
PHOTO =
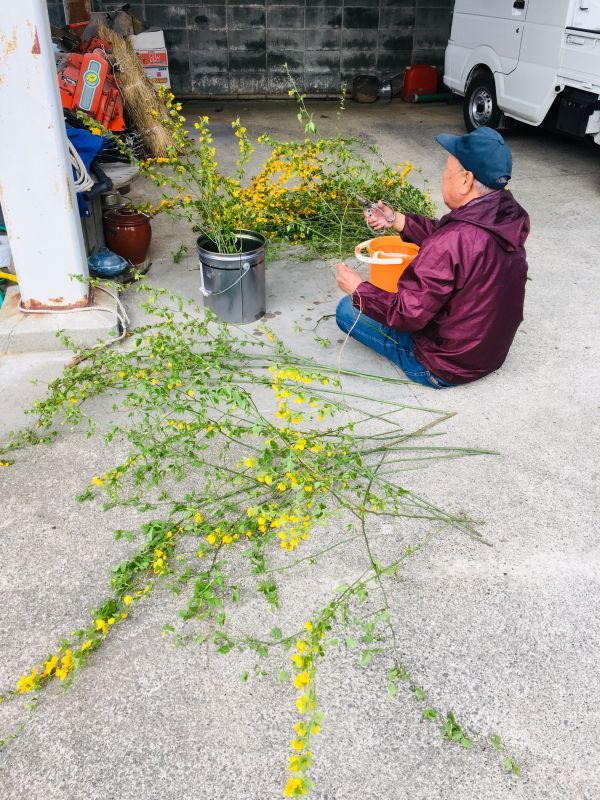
(460, 302)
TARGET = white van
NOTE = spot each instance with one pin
(537, 61)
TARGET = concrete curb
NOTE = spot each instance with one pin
(29, 333)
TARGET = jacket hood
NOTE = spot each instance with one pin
(497, 213)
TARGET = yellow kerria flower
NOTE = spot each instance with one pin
(294, 763)
(86, 645)
(294, 787)
(302, 703)
(49, 666)
(97, 481)
(211, 538)
(27, 682)
(67, 660)
(301, 680)
(128, 599)
(198, 517)
(301, 646)
(249, 462)
(297, 745)
(308, 626)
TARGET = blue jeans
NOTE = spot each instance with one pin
(393, 344)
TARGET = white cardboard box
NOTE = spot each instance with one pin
(151, 49)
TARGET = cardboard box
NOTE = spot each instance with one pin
(158, 75)
(152, 52)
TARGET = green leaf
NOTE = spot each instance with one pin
(244, 676)
(466, 743)
(350, 642)
(392, 690)
(276, 634)
(420, 694)
(510, 765)
(283, 676)
(430, 713)
(366, 658)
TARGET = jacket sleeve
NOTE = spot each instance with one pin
(423, 289)
(417, 228)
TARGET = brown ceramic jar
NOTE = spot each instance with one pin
(128, 233)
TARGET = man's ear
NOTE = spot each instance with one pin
(467, 184)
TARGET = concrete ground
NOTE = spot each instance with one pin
(507, 636)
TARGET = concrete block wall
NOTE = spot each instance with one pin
(232, 47)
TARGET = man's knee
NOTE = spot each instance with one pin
(345, 314)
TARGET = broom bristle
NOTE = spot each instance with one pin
(140, 96)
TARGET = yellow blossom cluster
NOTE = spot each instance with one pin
(303, 664)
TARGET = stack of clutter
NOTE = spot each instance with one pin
(101, 75)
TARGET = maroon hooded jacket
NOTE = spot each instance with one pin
(462, 296)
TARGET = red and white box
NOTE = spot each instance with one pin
(152, 52)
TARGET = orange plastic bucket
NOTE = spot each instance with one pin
(388, 257)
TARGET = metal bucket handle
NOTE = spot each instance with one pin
(204, 291)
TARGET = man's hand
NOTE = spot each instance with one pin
(378, 222)
(348, 279)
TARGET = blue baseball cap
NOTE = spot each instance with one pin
(483, 152)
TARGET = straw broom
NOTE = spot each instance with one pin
(139, 94)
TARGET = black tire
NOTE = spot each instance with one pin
(480, 106)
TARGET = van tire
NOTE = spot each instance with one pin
(480, 106)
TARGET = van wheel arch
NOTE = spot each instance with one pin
(480, 106)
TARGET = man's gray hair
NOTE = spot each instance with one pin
(482, 189)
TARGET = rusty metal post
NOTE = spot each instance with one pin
(36, 181)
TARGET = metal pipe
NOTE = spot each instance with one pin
(432, 98)
(36, 180)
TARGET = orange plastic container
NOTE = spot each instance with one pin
(388, 257)
(419, 79)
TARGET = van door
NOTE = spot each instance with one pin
(496, 25)
(529, 90)
(586, 15)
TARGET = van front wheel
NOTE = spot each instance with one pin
(480, 106)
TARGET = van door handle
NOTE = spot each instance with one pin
(519, 4)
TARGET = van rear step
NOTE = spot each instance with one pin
(574, 110)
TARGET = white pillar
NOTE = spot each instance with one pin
(36, 182)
